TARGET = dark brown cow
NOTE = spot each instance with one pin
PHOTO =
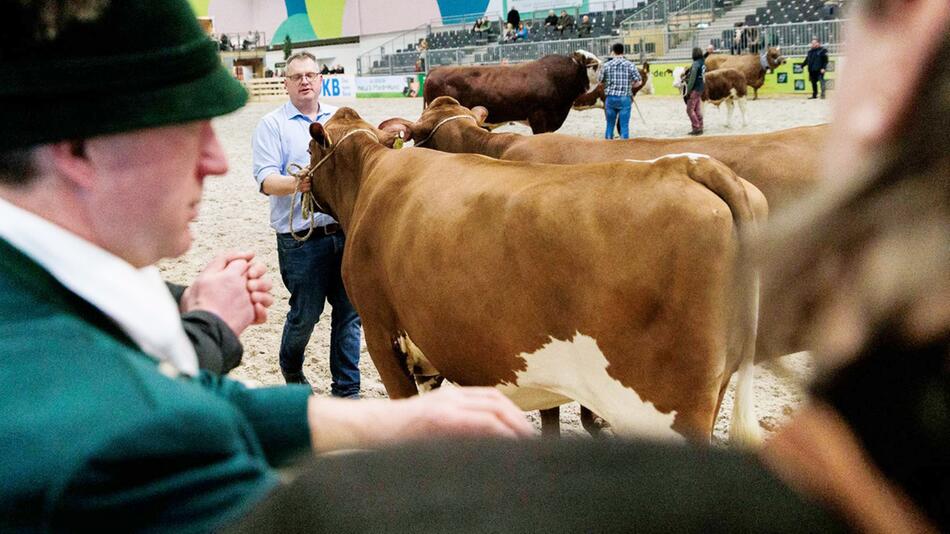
(752, 66)
(723, 85)
(612, 284)
(540, 92)
(595, 98)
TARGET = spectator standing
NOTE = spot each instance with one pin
(310, 269)
(710, 49)
(585, 27)
(514, 18)
(325, 70)
(736, 40)
(619, 77)
(817, 62)
(694, 92)
(551, 20)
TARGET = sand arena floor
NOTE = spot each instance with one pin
(235, 215)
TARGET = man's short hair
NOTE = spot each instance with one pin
(17, 167)
(617, 49)
(301, 55)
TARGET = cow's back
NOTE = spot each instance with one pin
(748, 64)
(784, 165)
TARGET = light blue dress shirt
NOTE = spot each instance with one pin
(280, 139)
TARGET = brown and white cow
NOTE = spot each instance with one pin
(723, 85)
(596, 97)
(611, 284)
(752, 66)
(537, 92)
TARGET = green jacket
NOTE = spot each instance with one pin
(95, 437)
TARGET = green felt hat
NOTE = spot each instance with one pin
(82, 68)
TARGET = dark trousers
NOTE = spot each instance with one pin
(537, 486)
(816, 78)
(311, 272)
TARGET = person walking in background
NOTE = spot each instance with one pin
(817, 62)
(620, 77)
(310, 269)
(694, 92)
(514, 18)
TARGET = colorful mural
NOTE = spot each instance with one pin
(306, 20)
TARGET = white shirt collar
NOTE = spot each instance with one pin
(136, 299)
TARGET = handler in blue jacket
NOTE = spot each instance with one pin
(107, 422)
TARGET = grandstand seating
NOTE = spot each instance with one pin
(446, 47)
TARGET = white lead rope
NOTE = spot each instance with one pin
(307, 201)
(440, 123)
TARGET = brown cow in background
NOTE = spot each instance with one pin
(752, 66)
(537, 92)
(723, 85)
(596, 97)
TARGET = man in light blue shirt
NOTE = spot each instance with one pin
(309, 269)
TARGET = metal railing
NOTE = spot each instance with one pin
(230, 42)
(677, 43)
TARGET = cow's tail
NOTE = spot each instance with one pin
(749, 209)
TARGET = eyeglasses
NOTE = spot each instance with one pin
(297, 78)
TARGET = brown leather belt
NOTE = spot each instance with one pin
(318, 231)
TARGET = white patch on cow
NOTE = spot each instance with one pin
(592, 67)
(678, 77)
(577, 369)
(426, 375)
(693, 158)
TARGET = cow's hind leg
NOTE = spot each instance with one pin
(391, 363)
(730, 107)
(551, 423)
(593, 423)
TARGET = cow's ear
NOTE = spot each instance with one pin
(395, 126)
(319, 134)
(481, 113)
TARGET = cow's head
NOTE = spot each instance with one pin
(443, 115)
(647, 86)
(774, 57)
(591, 62)
(331, 149)
(679, 78)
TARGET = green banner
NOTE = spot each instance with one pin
(788, 78)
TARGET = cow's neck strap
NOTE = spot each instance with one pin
(307, 200)
(440, 123)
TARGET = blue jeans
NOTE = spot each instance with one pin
(617, 107)
(311, 272)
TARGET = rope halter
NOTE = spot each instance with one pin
(443, 121)
(307, 200)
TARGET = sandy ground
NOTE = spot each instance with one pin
(235, 215)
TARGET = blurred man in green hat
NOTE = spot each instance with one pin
(106, 418)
